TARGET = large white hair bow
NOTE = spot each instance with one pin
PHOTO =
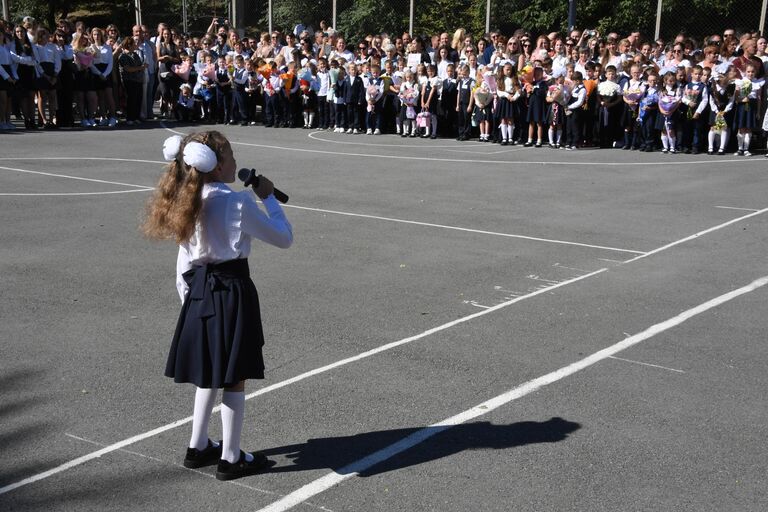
(200, 156)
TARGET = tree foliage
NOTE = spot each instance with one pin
(357, 18)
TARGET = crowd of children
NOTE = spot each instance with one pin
(552, 90)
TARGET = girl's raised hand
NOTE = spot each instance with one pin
(265, 188)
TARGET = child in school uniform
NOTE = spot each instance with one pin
(557, 98)
(574, 112)
(610, 108)
(272, 106)
(536, 116)
(340, 92)
(323, 79)
(747, 102)
(721, 103)
(648, 111)
(354, 99)
(483, 111)
(430, 93)
(184, 109)
(409, 98)
(464, 102)
(694, 103)
(632, 92)
(666, 122)
(223, 92)
(239, 78)
(448, 92)
(374, 98)
(508, 93)
(218, 339)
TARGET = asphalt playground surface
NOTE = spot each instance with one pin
(457, 327)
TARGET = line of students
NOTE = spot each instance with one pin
(632, 109)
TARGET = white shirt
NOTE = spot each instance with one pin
(228, 222)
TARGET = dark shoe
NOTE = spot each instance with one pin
(206, 457)
(528, 144)
(229, 471)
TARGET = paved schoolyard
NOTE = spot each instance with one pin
(457, 327)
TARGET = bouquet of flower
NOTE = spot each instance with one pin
(265, 71)
(305, 74)
(555, 93)
(182, 70)
(743, 90)
(608, 89)
(648, 102)
(84, 58)
(287, 79)
(719, 124)
(372, 94)
(409, 95)
(304, 86)
(691, 100)
(668, 104)
(397, 78)
(526, 74)
(482, 96)
(490, 82)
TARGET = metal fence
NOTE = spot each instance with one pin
(665, 18)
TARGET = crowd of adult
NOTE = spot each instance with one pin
(508, 88)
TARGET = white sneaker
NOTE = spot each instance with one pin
(369, 132)
(104, 122)
(377, 132)
(747, 153)
(112, 122)
(355, 131)
(349, 131)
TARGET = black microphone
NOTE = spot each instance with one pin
(251, 179)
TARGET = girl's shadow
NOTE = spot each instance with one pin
(341, 454)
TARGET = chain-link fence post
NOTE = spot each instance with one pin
(6, 10)
(137, 8)
(762, 17)
(658, 21)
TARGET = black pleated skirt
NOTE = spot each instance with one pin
(218, 339)
(505, 109)
(745, 115)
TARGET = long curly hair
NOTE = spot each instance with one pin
(174, 209)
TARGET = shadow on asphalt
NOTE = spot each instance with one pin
(337, 452)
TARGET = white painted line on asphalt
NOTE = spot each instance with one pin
(483, 232)
(646, 364)
(97, 158)
(383, 348)
(72, 177)
(492, 162)
(697, 235)
(735, 208)
(313, 136)
(34, 194)
(353, 469)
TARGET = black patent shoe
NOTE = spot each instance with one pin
(200, 458)
(232, 470)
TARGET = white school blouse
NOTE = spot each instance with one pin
(228, 222)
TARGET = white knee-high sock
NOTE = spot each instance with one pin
(711, 140)
(204, 400)
(672, 143)
(232, 412)
(747, 140)
(723, 139)
(559, 135)
(665, 141)
(311, 118)
(551, 134)
(740, 140)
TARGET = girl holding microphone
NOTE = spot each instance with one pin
(218, 339)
